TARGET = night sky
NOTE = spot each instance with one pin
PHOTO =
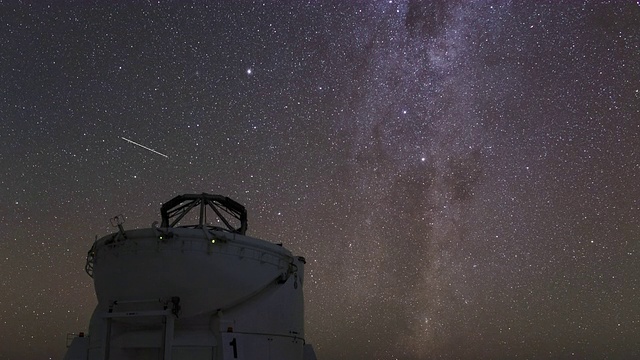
(462, 177)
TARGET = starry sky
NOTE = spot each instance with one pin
(463, 177)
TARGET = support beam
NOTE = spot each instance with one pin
(106, 344)
(168, 336)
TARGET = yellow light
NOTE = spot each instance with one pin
(213, 241)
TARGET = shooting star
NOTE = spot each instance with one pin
(144, 147)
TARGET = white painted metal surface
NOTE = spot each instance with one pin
(193, 293)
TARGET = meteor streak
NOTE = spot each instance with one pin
(142, 146)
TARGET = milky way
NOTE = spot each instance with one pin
(462, 177)
(417, 156)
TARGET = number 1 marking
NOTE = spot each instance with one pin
(235, 348)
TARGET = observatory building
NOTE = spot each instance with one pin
(195, 287)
